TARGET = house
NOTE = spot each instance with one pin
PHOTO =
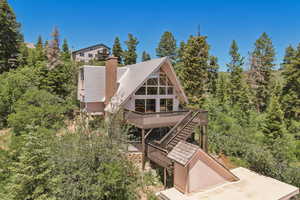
(199, 176)
(152, 98)
(96, 52)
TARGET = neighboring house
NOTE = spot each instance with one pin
(29, 45)
(95, 52)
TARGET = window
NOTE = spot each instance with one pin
(162, 80)
(151, 90)
(81, 74)
(169, 104)
(170, 90)
(141, 91)
(156, 84)
(162, 90)
(145, 105)
(90, 55)
(152, 81)
(81, 54)
(140, 105)
(150, 105)
(166, 105)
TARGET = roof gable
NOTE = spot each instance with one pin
(129, 79)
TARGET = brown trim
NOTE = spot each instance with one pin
(178, 82)
(215, 165)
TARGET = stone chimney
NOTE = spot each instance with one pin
(110, 78)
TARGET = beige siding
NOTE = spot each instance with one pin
(85, 57)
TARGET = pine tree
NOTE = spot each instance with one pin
(65, 50)
(236, 77)
(39, 43)
(31, 176)
(288, 57)
(145, 56)
(130, 55)
(40, 51)
(53, 51)
(179, 64)
(117, 50)
(291, 89)
(274, 126)
(222, 89)
(10, 37)
(194, 71)
(213, 68)
(262, 63)
(167, 46)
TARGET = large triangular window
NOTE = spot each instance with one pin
(157, 84)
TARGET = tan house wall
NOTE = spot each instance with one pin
(180, 177)
(94, 107)
(202, 177)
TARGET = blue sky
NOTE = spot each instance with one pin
(87, 22)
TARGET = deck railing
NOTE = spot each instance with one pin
(154, 120)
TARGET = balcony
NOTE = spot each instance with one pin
(154, 120)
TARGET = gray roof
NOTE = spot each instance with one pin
(183, 152)
(94, 82)
(129, 78)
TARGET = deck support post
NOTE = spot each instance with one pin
(206, 139)
(143, 149)
(201, 136)
(203, 139)
(165, 177)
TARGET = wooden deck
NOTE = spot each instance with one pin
(154, 120)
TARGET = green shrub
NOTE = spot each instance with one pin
(37, 108)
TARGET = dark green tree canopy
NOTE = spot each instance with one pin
(213, 68)
(10, 37)
(194, 71)
(130, 54)
(167, 46)
(65, 50)
(237, 86)
(117, 50)
(261, 66)
(291, 89)
(288, 56)
(145, 56)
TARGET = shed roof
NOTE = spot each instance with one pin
(183, 152)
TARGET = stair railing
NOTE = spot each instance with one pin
(176, 127)
(190, 120)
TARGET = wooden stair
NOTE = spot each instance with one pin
(157, 151)
(183, 135)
